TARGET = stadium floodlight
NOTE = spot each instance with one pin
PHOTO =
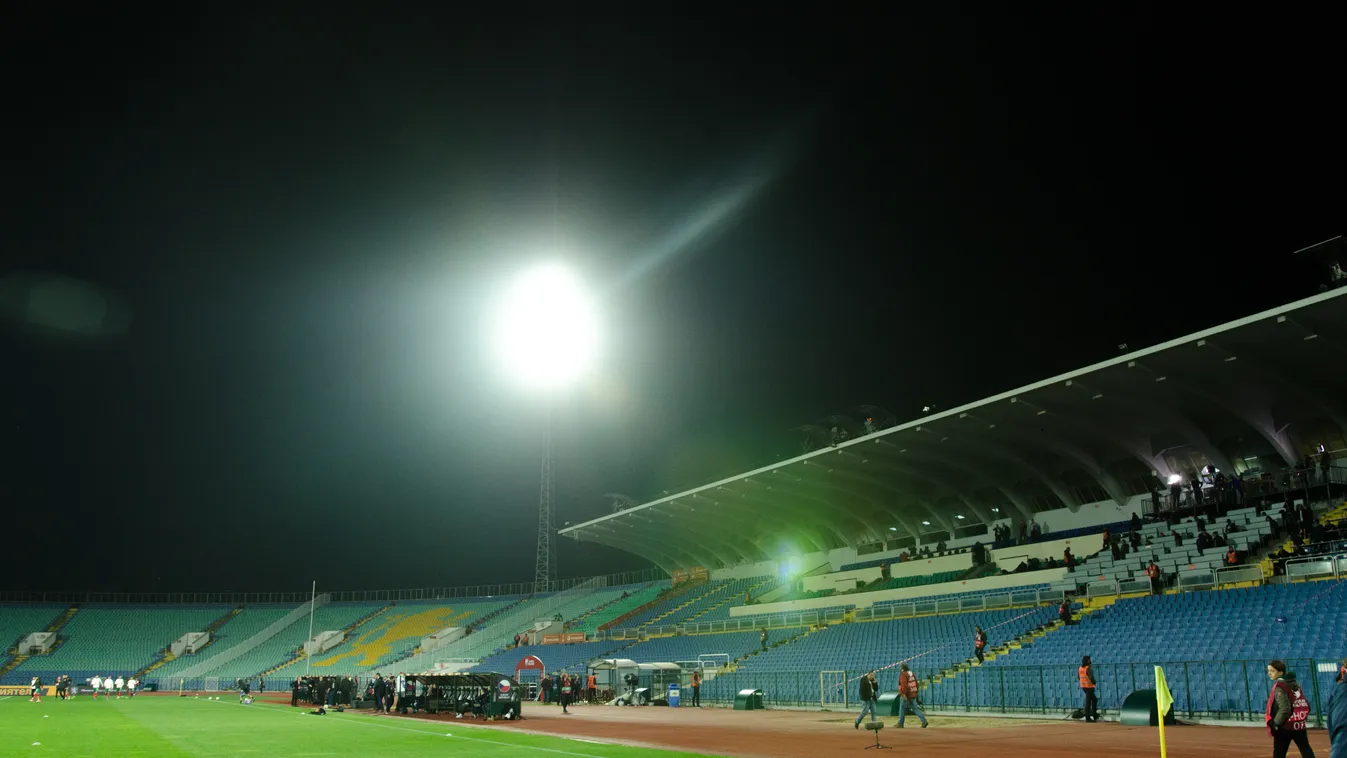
(959, 516)
(893, 529)
(1175, 479)
(547, 331)
(925, 523)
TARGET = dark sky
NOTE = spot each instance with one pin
(305, 213)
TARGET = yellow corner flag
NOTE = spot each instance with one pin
(1164, 701)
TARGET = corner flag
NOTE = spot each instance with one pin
(1164, 701)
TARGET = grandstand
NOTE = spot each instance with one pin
(861, 556)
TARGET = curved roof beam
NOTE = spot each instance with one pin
(1133, 448)
(1265, 427)
(812, 509)
(809, 534)
(623, 540)
(1005, 488)
(1067, 497)
(944, 490)
(1272, 374)
(742, 509)
(1171, 418)
(1065, 449)
(860, 508)
(941, 519)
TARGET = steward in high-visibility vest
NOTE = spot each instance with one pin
(909, 690)
(1087, 683)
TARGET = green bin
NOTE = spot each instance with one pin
(748, 700)
(1141, 709)
(887, 705)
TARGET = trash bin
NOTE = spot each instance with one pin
(748, 700)
(673, 694)
(887, 705)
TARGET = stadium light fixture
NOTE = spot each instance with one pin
(547, 332)
(925, 523)
(1175, 479)
(959, 516)
(893, 529)
(996, 510)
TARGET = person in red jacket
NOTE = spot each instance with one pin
(908, 691)
(979, 643)
(1287, 712)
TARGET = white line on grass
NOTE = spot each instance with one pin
(555, 751)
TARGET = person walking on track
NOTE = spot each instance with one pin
(868, 693)
(1087, 683)
(1288, 712)
(909, 689)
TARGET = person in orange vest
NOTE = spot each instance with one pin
(1153, 571)
(979, 642)
(1231, 556)
(1287, 712)
(1087, 686)
(591, 688)
(908, 689)
(696, 688)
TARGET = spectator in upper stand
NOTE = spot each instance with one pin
(903, 557)
(1201, 525)
(1069, 560)
(979, 642)
(1325, 463)
(1153, 571)
(516, 639)
(1178, 540)
(940, 547)
(1064, 612)
(884, 570)
(1136, 522)
(1203, 542)
(1231, 556)
(1135, 539)
(1035, 531)
(1108, 540)
(1024, 533)
(979, 555)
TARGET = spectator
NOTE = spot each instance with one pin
(1231, 556)
(1136, 522)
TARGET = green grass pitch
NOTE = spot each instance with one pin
(169, 726)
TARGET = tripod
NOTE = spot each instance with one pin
(875, 726)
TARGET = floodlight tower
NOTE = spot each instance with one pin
(548, 337)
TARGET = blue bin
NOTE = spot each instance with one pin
(673, 695)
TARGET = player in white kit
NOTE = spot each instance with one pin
(121, 685)
(131, 685)
(96, 683)
(108, 684)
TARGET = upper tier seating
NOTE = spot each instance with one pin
(248, 622)
(394, 633)
(107, 640)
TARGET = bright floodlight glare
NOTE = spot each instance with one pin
(1175, 479)
(547, 334)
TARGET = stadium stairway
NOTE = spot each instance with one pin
(729, 600)
(55, 627)
(167, 654)
(1024, 640)
(669, 597)
(483, 621)
(688, 599)
(579, 621)
(734, 664)
(348, 633)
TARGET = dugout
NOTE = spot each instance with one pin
(499, 695)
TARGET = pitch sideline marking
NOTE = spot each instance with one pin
(555, 751)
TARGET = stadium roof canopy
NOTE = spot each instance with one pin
(1256, 393)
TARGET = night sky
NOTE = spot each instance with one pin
(299, 219)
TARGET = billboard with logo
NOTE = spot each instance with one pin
(700, 573)
(679, 576)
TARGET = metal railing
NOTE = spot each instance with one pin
(1222, 690)
(341, 596)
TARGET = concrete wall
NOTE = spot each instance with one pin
(1060, 520)
(866, 599)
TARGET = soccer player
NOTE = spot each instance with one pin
(108, 684)
(121, 685)
(97, 684)
(131, 685)
(35, 690)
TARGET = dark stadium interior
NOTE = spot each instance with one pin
(595, 357)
